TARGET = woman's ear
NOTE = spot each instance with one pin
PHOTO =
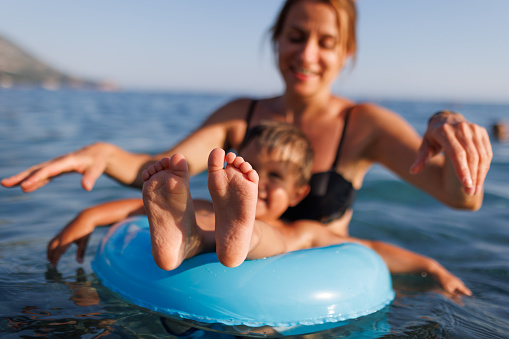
(299, 194)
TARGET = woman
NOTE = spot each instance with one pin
(313, 41)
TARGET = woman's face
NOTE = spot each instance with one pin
(309, 48)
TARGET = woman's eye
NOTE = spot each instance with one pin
(328, 43)
(295, 37)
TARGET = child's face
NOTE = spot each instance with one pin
(277, 189)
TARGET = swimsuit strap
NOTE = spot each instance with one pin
(336, 160)
(250, 113)
(249, 116)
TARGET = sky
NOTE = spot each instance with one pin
(456, 50)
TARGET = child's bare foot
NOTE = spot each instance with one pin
(173, 231)
(234, 192)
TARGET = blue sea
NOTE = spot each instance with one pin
(69, 301)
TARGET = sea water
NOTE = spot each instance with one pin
(69, 301)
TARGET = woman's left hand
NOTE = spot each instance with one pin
(466, 144)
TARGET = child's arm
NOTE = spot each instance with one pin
(81, 227)
(399, 260)
(266, 240)
(276, 238)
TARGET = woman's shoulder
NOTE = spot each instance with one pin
(240, 105)
(369, 108)
(375, 114)
(235, 109)
(238, 108)
(371, 122)
(364, 108)
(236, 104)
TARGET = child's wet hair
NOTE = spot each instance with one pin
(284, 142)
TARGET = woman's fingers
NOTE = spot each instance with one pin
(20, 177)
(39, 175)
(45, 172)
(475, 141)
(465, 136)
(91, 174)
(89, 161)
(468, 147)
(423, 155)
(35, 186)
(483, 144)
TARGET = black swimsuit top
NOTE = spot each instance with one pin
(330, 194)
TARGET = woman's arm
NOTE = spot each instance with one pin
(224, 128)
(78, 231)
(454, 177)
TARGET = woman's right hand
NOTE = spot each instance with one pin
(90, 161)
(224, 128)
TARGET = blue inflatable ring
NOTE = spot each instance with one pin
(300, 292)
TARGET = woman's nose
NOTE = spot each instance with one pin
(309, 51)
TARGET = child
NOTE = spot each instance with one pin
(243, 219)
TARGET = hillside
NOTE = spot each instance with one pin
(18, 68)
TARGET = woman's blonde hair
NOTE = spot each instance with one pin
(283, 142)
(347, 21)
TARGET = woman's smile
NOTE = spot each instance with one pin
(303, 73)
